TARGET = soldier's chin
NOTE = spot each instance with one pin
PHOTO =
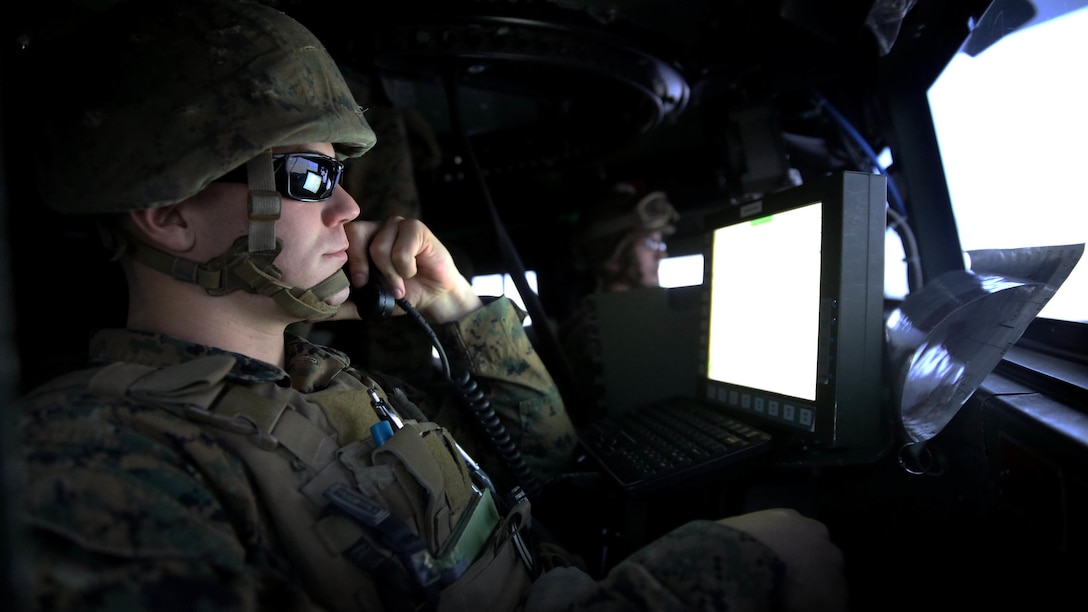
(339, 297)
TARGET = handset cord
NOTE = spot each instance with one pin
(481, 409)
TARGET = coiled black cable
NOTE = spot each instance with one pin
(480, 408)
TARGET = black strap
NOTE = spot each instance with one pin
(547, 345)
(398, 591)
(393, 533)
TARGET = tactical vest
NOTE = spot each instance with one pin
(391, 521)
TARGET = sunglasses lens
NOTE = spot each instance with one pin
(308, 177)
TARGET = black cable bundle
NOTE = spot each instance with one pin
(473, 398)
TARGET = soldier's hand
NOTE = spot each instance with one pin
(814, 580)
(417, 265)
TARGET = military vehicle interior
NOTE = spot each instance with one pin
(512, 117)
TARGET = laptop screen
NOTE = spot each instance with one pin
(793, 316)
(765, 303)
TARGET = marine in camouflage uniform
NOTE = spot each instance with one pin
(174, 475)
(606, 253)
(135, 507)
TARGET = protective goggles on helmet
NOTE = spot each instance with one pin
(306, 177)
(655, 212)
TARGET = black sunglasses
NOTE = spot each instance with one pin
(306, 177)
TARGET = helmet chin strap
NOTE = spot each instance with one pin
(238, 268)
(248, 263)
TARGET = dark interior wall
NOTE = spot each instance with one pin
(11, 581)
(61, 284)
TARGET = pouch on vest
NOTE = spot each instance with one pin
(477, 560)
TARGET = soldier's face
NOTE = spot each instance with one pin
(313, 235)
(648, 251)
(315, 243)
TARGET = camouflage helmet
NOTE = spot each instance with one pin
(194, 89)
(628, 209)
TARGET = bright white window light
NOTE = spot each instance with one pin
(503, 284)
(680, 271)
(1011, 125)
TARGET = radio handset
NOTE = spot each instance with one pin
(374, 300)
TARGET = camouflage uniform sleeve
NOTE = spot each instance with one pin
(125, 507)
(491, 346)
(701, 565)
(579, 339)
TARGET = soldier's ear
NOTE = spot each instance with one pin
(165, 227)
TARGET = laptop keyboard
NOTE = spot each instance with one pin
(646, 449)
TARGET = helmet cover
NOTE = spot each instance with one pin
(161, 98)
(627, 210)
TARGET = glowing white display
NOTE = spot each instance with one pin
(765, 303)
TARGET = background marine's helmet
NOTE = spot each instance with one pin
(628, 210)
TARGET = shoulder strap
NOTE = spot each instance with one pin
(197, 381)
(194, 389)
